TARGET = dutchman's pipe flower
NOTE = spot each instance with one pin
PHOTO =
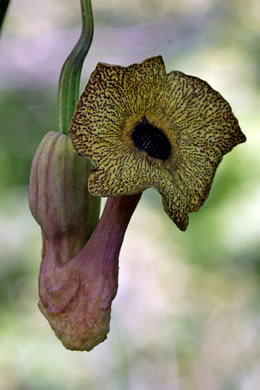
(142, 127)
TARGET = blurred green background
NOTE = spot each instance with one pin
(187, 312)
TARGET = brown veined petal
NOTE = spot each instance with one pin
(195, 118)
(175, 196)
(205, 129)
(198, 111)
(112, 95)
(120, 172)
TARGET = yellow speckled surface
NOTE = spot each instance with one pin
(197, 120)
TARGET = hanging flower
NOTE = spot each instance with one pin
(79, 269)
(142, 127)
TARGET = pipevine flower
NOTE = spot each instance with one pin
(142, 127)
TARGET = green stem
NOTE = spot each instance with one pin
(68, 90)
(3, 8)
(69, 82)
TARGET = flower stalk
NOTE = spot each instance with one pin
(69, 82)
(3, 10)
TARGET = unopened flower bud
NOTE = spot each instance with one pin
(58, 195)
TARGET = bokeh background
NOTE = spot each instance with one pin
(187, 312)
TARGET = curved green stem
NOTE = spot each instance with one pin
(3, 8)
(69, 82)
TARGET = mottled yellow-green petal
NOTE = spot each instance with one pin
(120, 173)
(197, 173)
(193, 121)
(175, 196)
(175, 210)
(198, 112)
(205, 129)
(99, 113)
(112, 95)
(144, 73)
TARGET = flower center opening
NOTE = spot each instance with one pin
(151, 140)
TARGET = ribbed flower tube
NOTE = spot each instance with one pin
(76, 297)
(79, 270)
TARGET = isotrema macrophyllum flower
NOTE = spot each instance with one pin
(142, 127)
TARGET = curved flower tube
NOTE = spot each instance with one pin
(142, 127)
(79, 269)
(76, 296)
